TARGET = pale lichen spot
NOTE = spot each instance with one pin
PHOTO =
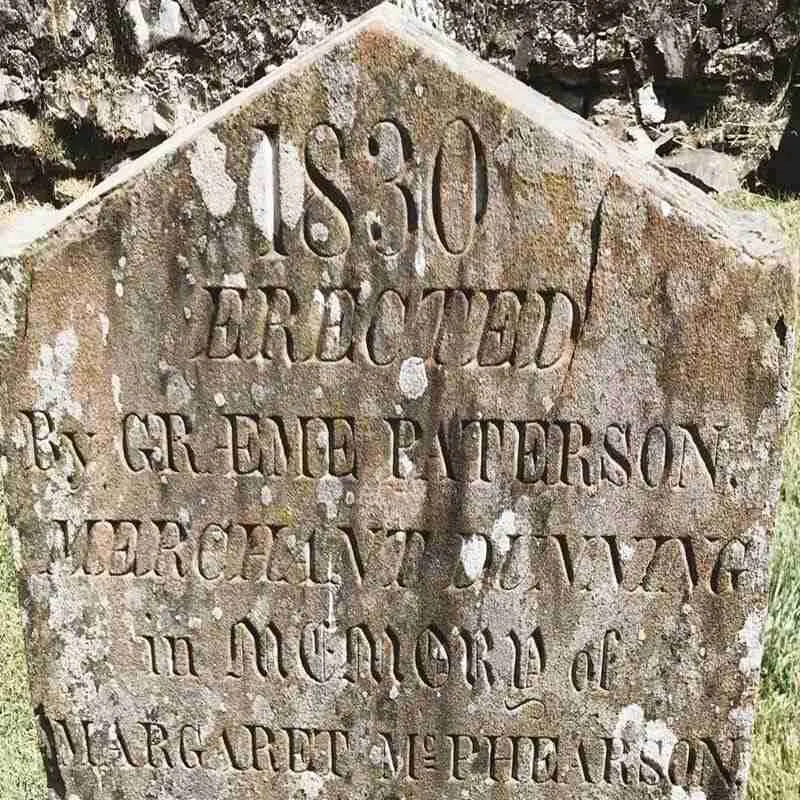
(750, 638)
(413, 379)
(261, 188)
(373, 224)
(320, 232)
(659, 742)
(235, 280)
(116, 392)
(105, 326)
(52, 376)
(266, 496)
(219, 400)
(420, 263)
(629, 721)
(170, 21)
(18, 436)
(473, 556)
(406, 466)
(311, 785)
(505, 527)
(291, 171)
(653, 737)
(693, 793)
(207, 165)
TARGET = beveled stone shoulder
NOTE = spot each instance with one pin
(370, 39)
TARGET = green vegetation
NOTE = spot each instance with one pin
(21, 775)
(785, 212)
(775, 773)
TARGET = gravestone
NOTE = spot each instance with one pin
(390, 433)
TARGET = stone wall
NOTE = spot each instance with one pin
(85, 84)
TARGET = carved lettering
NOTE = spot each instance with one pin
(558, 453)
(459, 187)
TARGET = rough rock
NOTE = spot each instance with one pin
(706, 168)
(123, 73)
(66, 190)
(651, 110)
(19, 227)
(17, 130)
(745, 63)
(390, 433)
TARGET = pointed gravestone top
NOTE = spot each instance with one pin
(389, 433)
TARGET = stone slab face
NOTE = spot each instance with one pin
(389, 434)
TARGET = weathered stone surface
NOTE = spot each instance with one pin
(391, 433)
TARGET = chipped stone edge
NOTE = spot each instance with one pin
(747, 236)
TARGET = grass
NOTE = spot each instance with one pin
(775, 772)
(21, 774)
(785, 212)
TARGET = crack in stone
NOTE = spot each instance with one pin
(595, 232)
